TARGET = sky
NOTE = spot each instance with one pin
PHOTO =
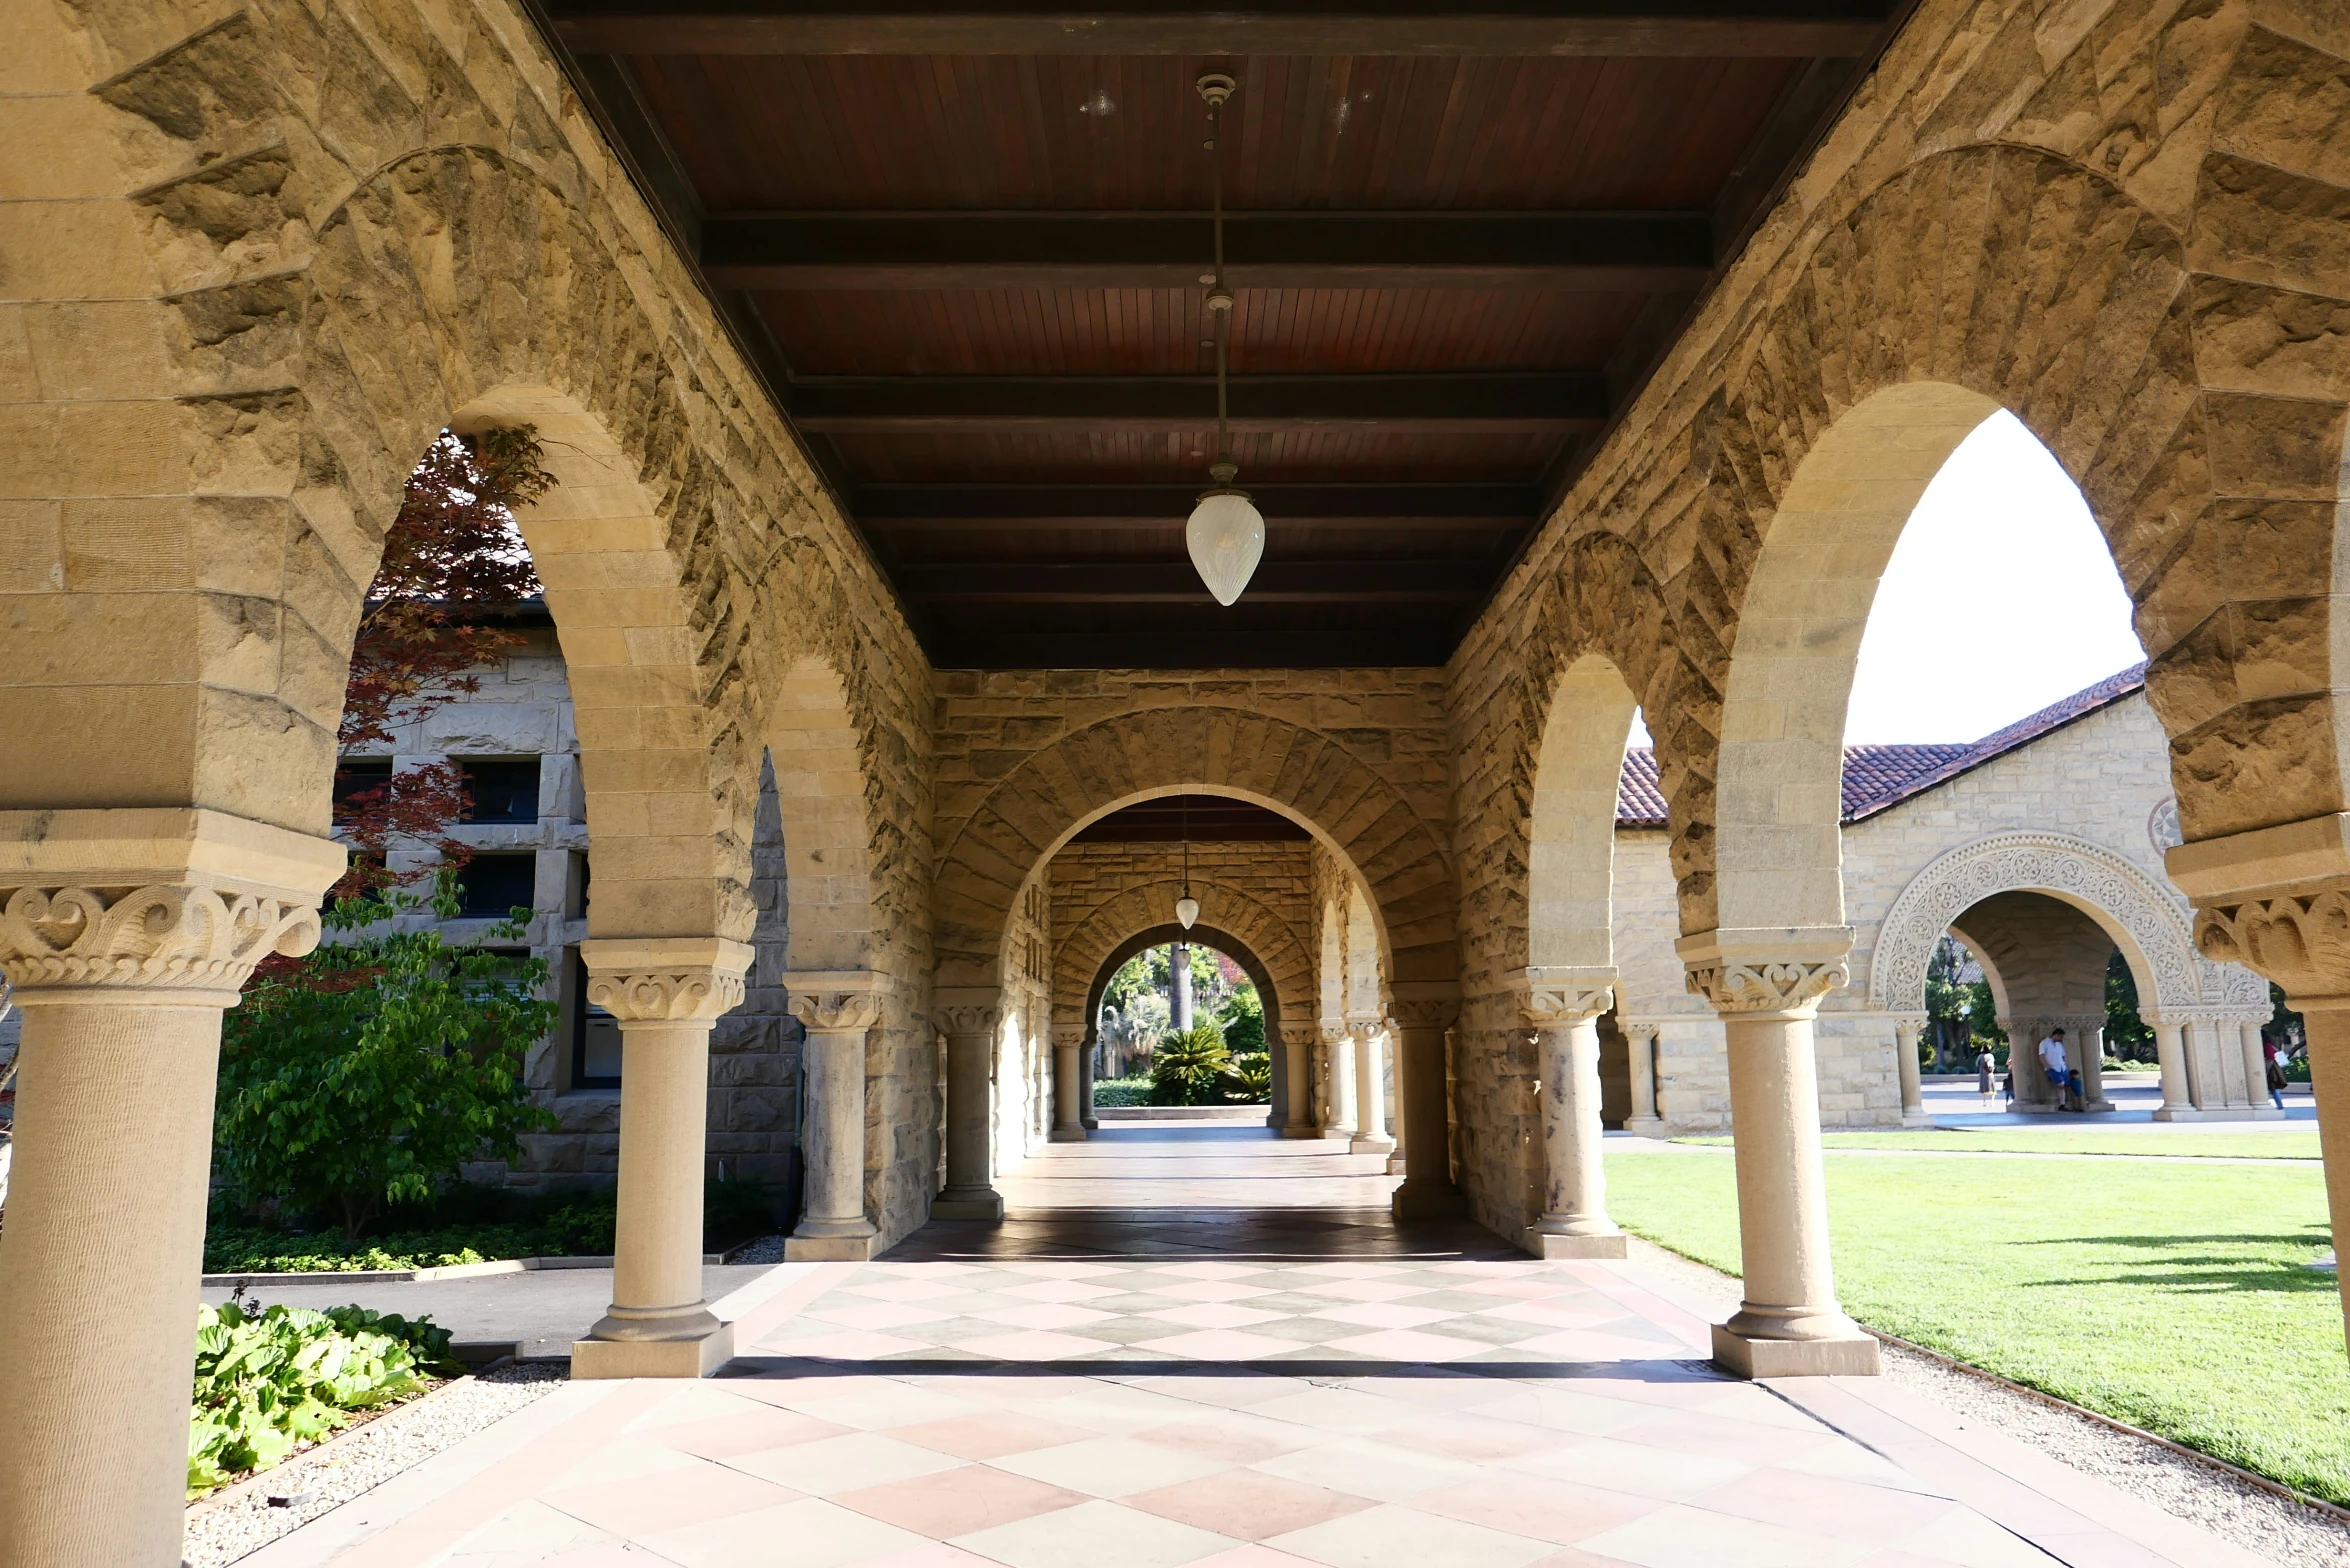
(1999, 600)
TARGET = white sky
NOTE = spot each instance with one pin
(1999, 600)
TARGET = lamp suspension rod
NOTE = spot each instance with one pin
(1224, 316)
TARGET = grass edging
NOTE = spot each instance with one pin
(2253, 1478)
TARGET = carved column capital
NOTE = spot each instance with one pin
(967, 1010)
(680, 979)
(1332, 1034)
(1424, 1004)
(156, 905)
(1553, 994)
(1781, 971)
(834, 1001)
(1367, 1026)
(2299, 940)
(1068, 1037)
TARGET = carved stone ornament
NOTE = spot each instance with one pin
(1426, 1012)
(967, 1018)
(1559, 994)
(833, 1012)
(1763, 986)
(189, 937)
(2302, 942)
(1367, 1028)
(667, 995)
(2055, 863)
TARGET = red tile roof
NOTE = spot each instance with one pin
(1878, 777)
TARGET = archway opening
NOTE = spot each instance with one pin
(1154, 994)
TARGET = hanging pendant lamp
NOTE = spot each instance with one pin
(1226, 534)
(1187, 907)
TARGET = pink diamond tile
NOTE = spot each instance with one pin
(938, 1554)
(1384, 1314)
(1034, 1345)
(850, 1345)
(957, 1502)
(1234, 1436)
(990, 1435)
(1493, 1267)
(1405, 1344)
(1213, 1314)
(1349, 1270)
(1219, 1344)
(1532, 1287)
(725, 1436)
(1547, 1312)
(1365, 1289)
(875, 1314)
(904, 1289)
(1584, 1344)
(1852, 1510)
(1547, 1510)
(1210, 1270)
(1056, 1268)
(1209, 1290)
(1478, 1438)
(1254, 1556)
(670, 1499)
(1059, 1290)
(1247, 1505)
(1042, 1314)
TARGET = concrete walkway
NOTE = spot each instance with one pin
(1248, 1382)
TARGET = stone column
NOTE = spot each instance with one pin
(1766, 985)
(666, 992)
(1563, 1004)
(1068, 1084)
(1422, 1013)
(1640, 1043)
(969, 1016)
(1338, 1083)
(126, 935)
(1297, 1046)
(2092, 1049)
(2170, 1055)
(1085, 1069)
(1905, 1060)
(1370, 1088)
(2256, 1070)
(838, 1010)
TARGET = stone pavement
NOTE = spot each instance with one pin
(1239, 1387)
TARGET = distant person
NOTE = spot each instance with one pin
(2275, 1061)
(2060, 1073)
(1984, 1068)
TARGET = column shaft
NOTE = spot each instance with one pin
(1338, 1085)
(1427, 1191)
(2328, 1028)
(1370, 1094)
(1574, 1223)
(2256, 1072)
(1297, 1053)
(1905, 1060)
(1085, 1076)
(664, 1107)
(833, 1226)
(1068, 1120)
(98, 1271)
(1640, 1040)
(2170, 1055)
(971, 1038)
(2093, 1068)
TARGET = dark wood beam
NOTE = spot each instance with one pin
(1709, 29)
(1177, 582)
(1616, 252)
(1407, 645)
(1537, 402)
(1155, 505)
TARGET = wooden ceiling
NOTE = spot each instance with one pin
(1197, 819)
(965, 241)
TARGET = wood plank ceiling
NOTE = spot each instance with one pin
(965, 240)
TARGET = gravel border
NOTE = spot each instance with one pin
(230, 1525)
(2186, 1486)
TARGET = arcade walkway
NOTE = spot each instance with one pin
(1115, 1377)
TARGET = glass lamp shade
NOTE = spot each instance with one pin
(1227, 539)
(1186, 910)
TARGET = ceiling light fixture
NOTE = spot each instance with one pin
(1186, 907)
(1226, 534)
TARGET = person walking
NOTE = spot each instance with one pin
(1984, 1068)
(2274, 1061)
(2060, 1076)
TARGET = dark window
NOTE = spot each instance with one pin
(505, 789)
(494, 884)
(355, 775)
(595, 1036)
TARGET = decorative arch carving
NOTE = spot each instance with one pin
(2150, 927)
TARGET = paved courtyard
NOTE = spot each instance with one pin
(1245, 1384)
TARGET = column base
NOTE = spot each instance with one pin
(1371, 1146)
(1074, 1133)
(1646, 1127)
(1090, 1122)
(1917, 1119)
(828, 1249)
(1549, 1244)
(593, 1359)
(2236, 1113)
(1427, 1200)
(964, 1204)
(2177, 1113)
(2095, 1106)
(1307, 1130)
(1395, 1163)
(1346, 1134)
(1845, 1356)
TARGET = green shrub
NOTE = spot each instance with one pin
(368, 1072)
(1243, 1018)
(268, 1381)
(1250, 1082)
(1122, 1091)
(1187, 1067)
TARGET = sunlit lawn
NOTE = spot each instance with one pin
(2173, 1295)
(2178, 1142)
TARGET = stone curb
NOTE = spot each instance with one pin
(447, 1271)
(1183, 1113)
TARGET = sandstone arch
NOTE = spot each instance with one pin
(1572, 823)
(1303, 774)
(2143, 920)
(1082, 959)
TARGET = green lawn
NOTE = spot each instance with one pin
(2083, 1140)
(2170, 1296)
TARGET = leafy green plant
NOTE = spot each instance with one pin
(368, 1072)
(1187, 1067)
(1243, 1018)
(1250, 1081)
(1121, 1091)
(269, 1381)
